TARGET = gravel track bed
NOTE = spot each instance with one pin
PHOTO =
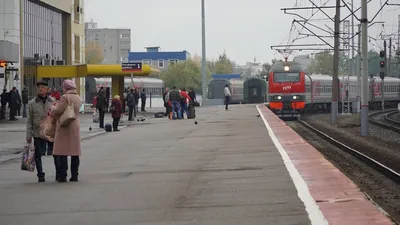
(381, 145)
(384, 192)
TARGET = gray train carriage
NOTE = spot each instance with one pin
(152, 85)
(216, 89)
(254, 90)
(319, 91)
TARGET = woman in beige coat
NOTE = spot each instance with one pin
(67, 141)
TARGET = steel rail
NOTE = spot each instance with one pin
(395, 128)
(388, 172)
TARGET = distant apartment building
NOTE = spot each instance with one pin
(251, 69)
(115, 43)
(157, 59)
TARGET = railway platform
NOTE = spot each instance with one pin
(242, 166)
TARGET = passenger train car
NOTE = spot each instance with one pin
(292, 92)
(152, 85)
(216, 89)
(254, 90)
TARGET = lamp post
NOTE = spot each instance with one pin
(203, 61)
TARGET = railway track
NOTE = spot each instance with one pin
(385, 119)
(385, 170)
(389, 117)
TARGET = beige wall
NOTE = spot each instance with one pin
(64, 5)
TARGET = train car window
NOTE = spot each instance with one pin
(286, 77)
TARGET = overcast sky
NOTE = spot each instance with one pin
(244, 29)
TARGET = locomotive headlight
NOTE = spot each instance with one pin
(286, 68)
(278, 97)
(296, 97)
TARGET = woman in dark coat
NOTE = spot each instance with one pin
(116, 111)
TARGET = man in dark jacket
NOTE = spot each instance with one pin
(174, 97)
(15, 101)
(19, 101)
(102, 105)
(143, 97)
(108, 95)
(131, 102)
(166, 101)
(192, 95)
(136, 94)
(24, 101)
(4, 100)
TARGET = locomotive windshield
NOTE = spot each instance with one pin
(286, 77)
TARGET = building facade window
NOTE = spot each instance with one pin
(173, 61)
(161, 63)
(124, 51)
(146, 61)
(43, 34)
(77, 11)
(125, 36)
(77, 48)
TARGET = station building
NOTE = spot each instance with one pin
(47, 32)
(158, 59)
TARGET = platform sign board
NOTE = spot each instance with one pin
(131, 67)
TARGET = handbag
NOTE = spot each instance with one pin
(28, 158)
(68, 115)
(48, 128)
(112, 108)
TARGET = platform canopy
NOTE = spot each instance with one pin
(105, 70)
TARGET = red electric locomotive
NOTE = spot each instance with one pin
(286, 89)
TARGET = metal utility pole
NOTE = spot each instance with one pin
(335, 77)
(346, 78)
(385, 69)
(358, 68)
(390, 57)
(364, 59)
(203, 50)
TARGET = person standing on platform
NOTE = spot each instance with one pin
(25, 101)
(143, 98)
(67, 141)
(174, 97)
(136, 94)
(192, 95)
(116, 113)
(227, 94)
(38, 109)
(5, 98)
(102, 105)
(108, 95)
(131, 102)
(13, 104)
(166, 101)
